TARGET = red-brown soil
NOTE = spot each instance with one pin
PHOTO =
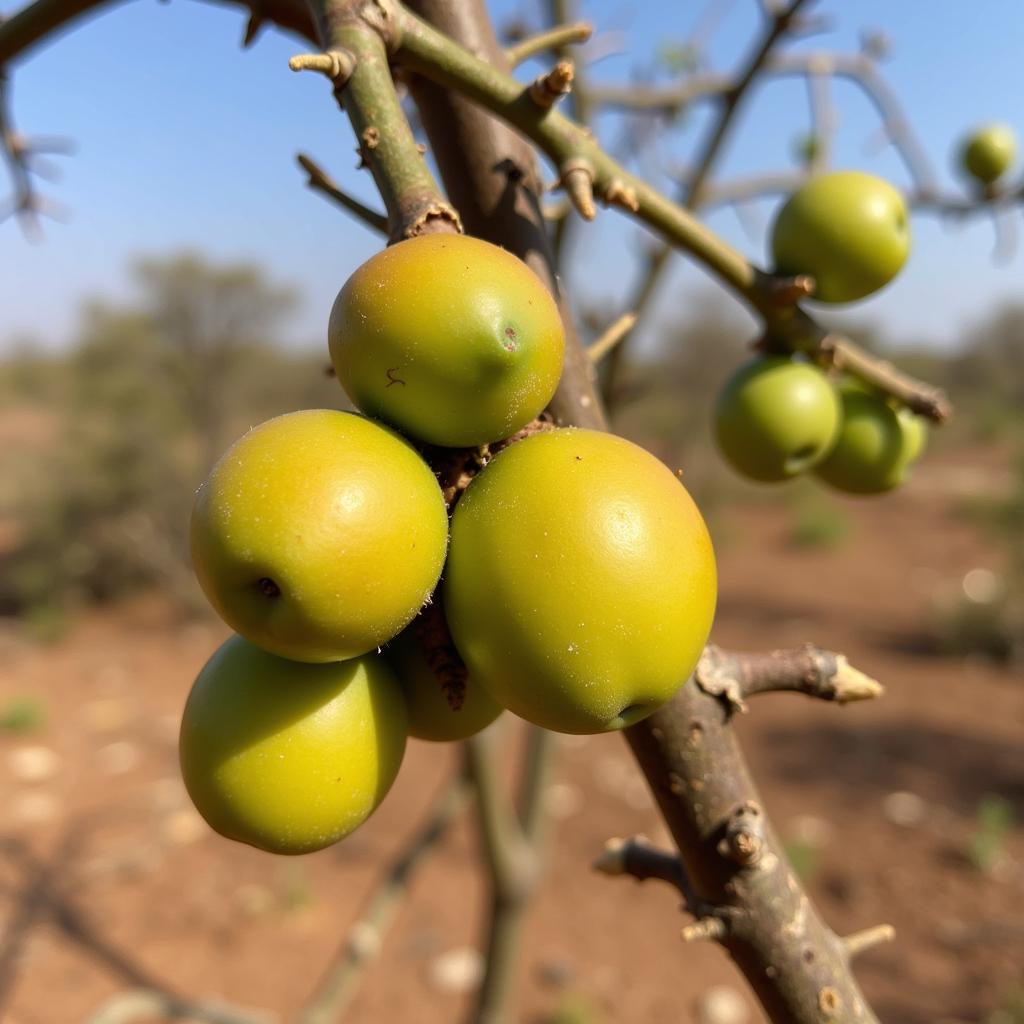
(109, 882)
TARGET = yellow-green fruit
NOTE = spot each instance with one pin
(775, 418)
(319, 535)
(988, 153)
(848, 230)
(915, 434)
(290, 757)
(581, 581)
(872, 451)
(445, 706)
(449, 339)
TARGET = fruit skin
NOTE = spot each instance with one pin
(915, 434)
(988, 152)
(290, 757)
(448, 338)
(342, 515)
(581, 581)
(848, 230)
(874, 448)
(775, 418)
(431, 716)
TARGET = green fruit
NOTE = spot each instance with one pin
(448, 338)
(848, 230)
(581, 581)
(319, 535)
(776, 418)
(915, 434)
(290, 757)
(988, 152)
(443, 705)
(874, 448)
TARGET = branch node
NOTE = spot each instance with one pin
(549, 88)
(862, 941)
(716, 678)
(744, 839)
(788, 291)
(620, 194)
(338, 65)
(577, 178)
(713, 928)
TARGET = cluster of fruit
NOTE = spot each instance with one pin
(579, 578)
(778, 417)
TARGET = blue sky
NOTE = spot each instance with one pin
(184, 140)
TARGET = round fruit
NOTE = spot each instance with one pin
(444, 705)
(581, 581)
(775, 418)
(848, 230)
(988, 153)
(286, 756)
(873, 450)
(448, 338)
(319, 535)
(915, 434)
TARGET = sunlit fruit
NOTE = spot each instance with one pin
(873, 450)
(848, 230)
(581, 581)
(319, 535)
(286, 756)
(444, 703)
(988, 152)
(448, 338)
(776, 418)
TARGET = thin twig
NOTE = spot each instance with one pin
(321, 182)
(861, 942)
(366, 934)
(553, 39)
(613, 335)
(643, 860)
(143, 1005)
(808, 669)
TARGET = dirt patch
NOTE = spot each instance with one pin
(108, 880)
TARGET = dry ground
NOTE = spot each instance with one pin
(108, 880)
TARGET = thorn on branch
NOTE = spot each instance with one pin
(338, 65)
(861, 942)
(713, 928)
(788, 291)
(744, 840)
(577, 178)
(640, 859)
(554, 39)
(611, 337)
(809, 670)
(253, 27)
(549, 88)
(619, 194)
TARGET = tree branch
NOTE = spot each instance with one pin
(556, 38)
(366, 935)
(320, 182)
(574, 150)
(808, 670)
(686, 750)
(643, 860)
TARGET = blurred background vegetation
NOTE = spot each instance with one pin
(103, 445)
